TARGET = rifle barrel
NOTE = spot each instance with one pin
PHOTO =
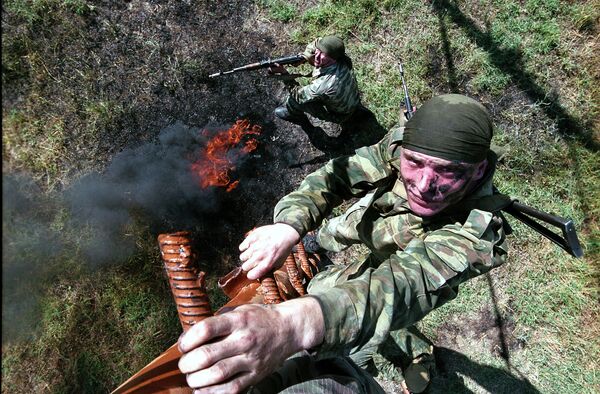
(262, 64)
(407, 103)
(221, 73)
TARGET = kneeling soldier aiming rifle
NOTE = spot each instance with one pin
(333, 93)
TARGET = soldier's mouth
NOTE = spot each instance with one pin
(423, 202)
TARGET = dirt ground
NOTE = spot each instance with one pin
(155, 57)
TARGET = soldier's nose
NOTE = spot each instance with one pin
(426, 182)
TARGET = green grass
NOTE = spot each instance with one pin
(38, 11)
(533, 63)
(33, 144)
(529, 45)
(280, 10)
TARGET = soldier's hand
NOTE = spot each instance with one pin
(229, 352)
(265, 248)
(404, 113)
(277, 70)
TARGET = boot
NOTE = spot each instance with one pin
(301, 120)
(418, 374)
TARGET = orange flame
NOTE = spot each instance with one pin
(218, 159)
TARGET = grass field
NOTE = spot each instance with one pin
(69, 328)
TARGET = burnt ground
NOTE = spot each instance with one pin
(150, 62)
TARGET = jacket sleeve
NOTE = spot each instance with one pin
(363, 302)
(340, 179)
(314, 91)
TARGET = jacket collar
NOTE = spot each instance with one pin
(318, 72)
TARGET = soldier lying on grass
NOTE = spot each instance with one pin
(422, 213)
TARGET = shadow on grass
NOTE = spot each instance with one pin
(453, 367)
(452, 79)
(511, 61)
(362, 129)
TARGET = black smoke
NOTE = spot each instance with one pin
(150, 185)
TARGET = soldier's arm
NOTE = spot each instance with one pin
(340, 179)
(314, 91)
(228, 352)
(266, 247)
(362, 303)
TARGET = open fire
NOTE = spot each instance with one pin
(218, 159)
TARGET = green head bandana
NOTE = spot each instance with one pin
(452, 127)
(332, 46)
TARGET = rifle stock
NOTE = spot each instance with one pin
(568, 240)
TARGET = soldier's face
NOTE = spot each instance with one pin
(322, 60)
(433, 184)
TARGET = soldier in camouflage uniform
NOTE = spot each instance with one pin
(332, 95)
(431, 221)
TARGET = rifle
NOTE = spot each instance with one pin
(263, 64)
(533, 218)
(568, 241)
(407, 103)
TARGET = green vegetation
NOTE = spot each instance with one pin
(280, 10)
(534, 63)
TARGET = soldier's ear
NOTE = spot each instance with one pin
(480, 170)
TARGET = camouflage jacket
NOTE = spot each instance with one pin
(416, 264)
(334, 86)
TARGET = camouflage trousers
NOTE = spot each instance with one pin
(316, 109)
(305, 374)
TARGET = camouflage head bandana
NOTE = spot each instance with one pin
(452, 127)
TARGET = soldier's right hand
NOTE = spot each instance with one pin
(265, 248)
(277, 70)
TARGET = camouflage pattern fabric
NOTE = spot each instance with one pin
(332, 96)
(416, 264)
(305, 374)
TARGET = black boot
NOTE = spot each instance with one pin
(301, 120)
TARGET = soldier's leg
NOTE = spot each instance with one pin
(292, 113)
(406, 354)
(304, 374)
(341, 232)
(315, 109)
(410, 350)
(414, 351)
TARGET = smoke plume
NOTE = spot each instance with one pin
(151, 184)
